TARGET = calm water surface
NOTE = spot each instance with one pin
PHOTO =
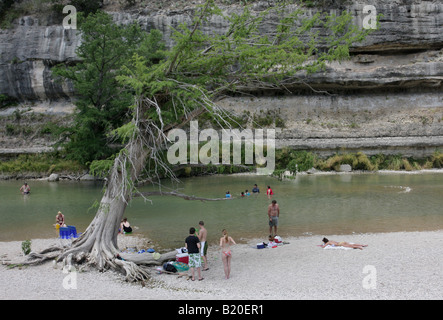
(311, 204)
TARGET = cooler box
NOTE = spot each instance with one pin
(73, 231)
(260, 245)
(277, 239)
(182, 257)
(64, 233)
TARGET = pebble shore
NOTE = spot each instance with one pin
(400, 265)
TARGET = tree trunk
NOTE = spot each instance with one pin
(99, 242)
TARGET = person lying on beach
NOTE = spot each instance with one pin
(342, 244)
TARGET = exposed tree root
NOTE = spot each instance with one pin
(38, 258)
(133, 266)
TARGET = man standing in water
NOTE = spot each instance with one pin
(273, 214)
(25, 189)
(202, 235)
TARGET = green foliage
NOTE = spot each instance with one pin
(87, 6)
(202, 67)
(101, 168)
(219, 62)
(102, 103)
(39, 163)
(395, 162)
(6, 101)
(125, 132)
(8, 12)
(436, 160)
(293, 160)
(303, 159)
(11, 10)
(198, 70)
(26, 247)
(358, 161)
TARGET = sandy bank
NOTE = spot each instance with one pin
(403, 265)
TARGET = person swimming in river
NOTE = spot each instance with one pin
(327, 242)
(269, 192)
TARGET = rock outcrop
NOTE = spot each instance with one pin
(386, 98)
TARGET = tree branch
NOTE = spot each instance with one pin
(197, 23)
(175, 194)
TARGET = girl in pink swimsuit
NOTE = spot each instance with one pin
(225, 245)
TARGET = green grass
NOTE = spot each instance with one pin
(39, 163)
(286, 159)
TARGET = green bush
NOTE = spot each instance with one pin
(303, 159)
(437, 160)
(39, 163)
(26, 247)
(7, 101)
(358, 161)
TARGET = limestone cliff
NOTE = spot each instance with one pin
(387, 98)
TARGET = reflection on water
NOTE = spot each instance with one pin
(312, 204)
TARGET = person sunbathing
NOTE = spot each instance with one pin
(342, 244)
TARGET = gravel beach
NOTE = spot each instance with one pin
(400, 265)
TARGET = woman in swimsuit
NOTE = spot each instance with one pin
(343, 244)
(60, 219)
(225, 245)
(125, 227)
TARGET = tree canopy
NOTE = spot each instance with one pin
(102, 103)
(202, 67)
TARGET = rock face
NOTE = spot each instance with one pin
(53, 177)
(390, 90)
(28, 51)
(345, 168)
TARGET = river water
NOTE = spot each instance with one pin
(309, 205)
